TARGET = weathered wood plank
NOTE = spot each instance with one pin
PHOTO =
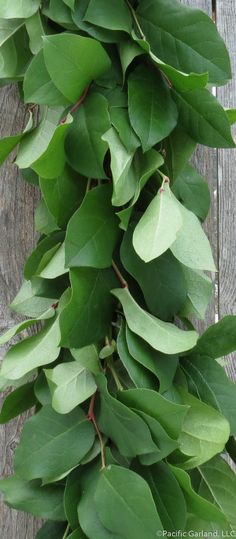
(226, 20)
(205, 160)
(17, 239)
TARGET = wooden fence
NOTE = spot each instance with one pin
(17, 235)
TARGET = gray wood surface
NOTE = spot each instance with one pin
(17, 203)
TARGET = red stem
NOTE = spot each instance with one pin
(92, 418)
(77, 105)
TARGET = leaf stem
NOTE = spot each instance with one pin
(92, 418)
(133, 13)
(77, 105)
(115, 376)
(119, 275)
(66, 531)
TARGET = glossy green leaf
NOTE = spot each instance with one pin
(164, 275)
(218, 340)
(208, 381)
(85, 148)
(113, 16)
(45, 502)
(41, 90)
(128, 431)
(166, 24)
(163, 336)
(139, 514)
(218, 484)
(158, 227)
(196, 504)
(70, 384)
(8, 28)
(43, 449)
(73, 62)
(42, 254)
(92, 231)
(193, 191)
(52, 530)
(86, 318)
(138, 374)
(35, 144)
(88, 358)
(35, 30)
(158, 118)
(167, 495)
(192, 246)
(63, 195)
(204, 433)
(18, 10)
(179, 147)
(167, 413)
(163, 366)
(27, 355)
(17, 402)
(199, 292)
(120, 120)
(124, 178)
(202, 116)
(55, 267)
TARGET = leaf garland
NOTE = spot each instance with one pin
(131, 408)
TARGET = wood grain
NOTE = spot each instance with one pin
(17, 238)
(226, 19)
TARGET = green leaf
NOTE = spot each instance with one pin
(112, 16)
(164, 275)
(204, 433)
(202, 116)
(43, 449)
(196, 504)
(42, 254)
(167, 413)
(88, 358)
(92, 231)
(120, 120)
(17, 402)
(63, 195)
(70, 384)
(138, 374)
(164, 367)
(135, 504)
(218, 484)
(77, 534)
(27, 355)
(128, 431)
(41, 90)
(163, 336)
(8, 28)
(18, 328)
(208, 381)
(87, 510)
(72, 496)
(85, 148)
(35, 144)
(158, 118)
(86, 318)
(73, 62)
(44, 502)
(165, 444)
(52, 530)
(35, 30)
(70, 4)
(166, 24)
(56, 263)
(199, 292)
(218, 340)
(179, 147)
(7, 144)
(193, 191)
(102, 34)
(167, 495)
(192, 246)
(124, 178)
(158, 227)
(18, 10)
